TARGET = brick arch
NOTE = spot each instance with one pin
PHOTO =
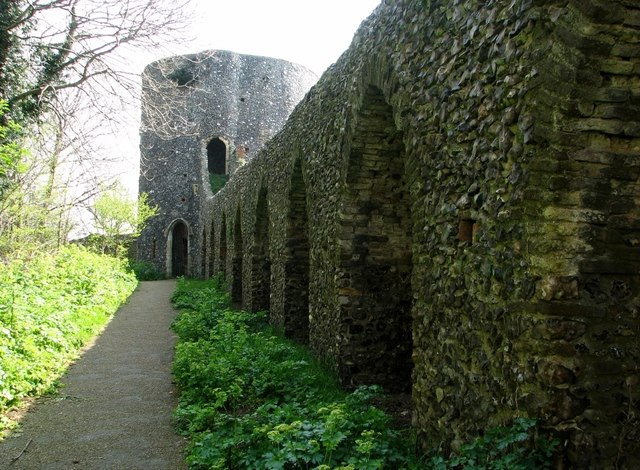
(236, 261)
(260, 256)
(375, 262)
(296, 262)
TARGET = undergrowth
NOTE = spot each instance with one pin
(251, 399)
(50, 306)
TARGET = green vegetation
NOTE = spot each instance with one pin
(11, 152)
(50, 306)
(145, 271)
(503, 448)
(254, 400)
(217, 182)
(115, 216)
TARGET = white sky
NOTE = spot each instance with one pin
(308, 32)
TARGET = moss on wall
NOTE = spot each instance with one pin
(468, 173)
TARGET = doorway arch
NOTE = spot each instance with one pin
(178, 248)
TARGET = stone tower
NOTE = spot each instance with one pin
(203, 116)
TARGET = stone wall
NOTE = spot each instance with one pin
(453, 210)
(235, 101)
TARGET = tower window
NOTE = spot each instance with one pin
(217, 157)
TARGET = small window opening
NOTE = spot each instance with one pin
(467, 231)
(154, 243)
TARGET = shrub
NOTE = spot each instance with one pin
(145, 271)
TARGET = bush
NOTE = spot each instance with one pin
(146, 271)
(49, 308)
(252, 399)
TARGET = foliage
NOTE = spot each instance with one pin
(254, 400)
(217, 182)
(11, 150)
(503, 448)
(145, 271)
(114, 215)
(50, 307)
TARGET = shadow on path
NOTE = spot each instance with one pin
(114, 409)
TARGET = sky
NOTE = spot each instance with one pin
(308, 32)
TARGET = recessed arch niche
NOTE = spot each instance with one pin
(236, 262)
(375, 256)
(296, 288)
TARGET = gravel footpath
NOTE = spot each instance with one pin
(114, 409)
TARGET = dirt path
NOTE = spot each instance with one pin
(114, 409)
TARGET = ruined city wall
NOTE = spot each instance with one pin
(452, 212)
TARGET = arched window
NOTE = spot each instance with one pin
(217, 164)
(217, 157)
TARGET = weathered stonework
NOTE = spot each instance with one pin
(453, 209)
(194, 108)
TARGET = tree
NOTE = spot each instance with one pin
(67, 79)
(116, 216)
(47, 46)
(11, 152)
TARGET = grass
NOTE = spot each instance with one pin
(217, 181)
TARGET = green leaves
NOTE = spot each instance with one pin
(503, 448)
(114, 215)
(252, 399)
(11, 150)
(50, 307)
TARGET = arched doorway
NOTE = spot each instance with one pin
(178, 249)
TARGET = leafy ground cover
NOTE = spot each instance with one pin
(251, 399)
(50, 306)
